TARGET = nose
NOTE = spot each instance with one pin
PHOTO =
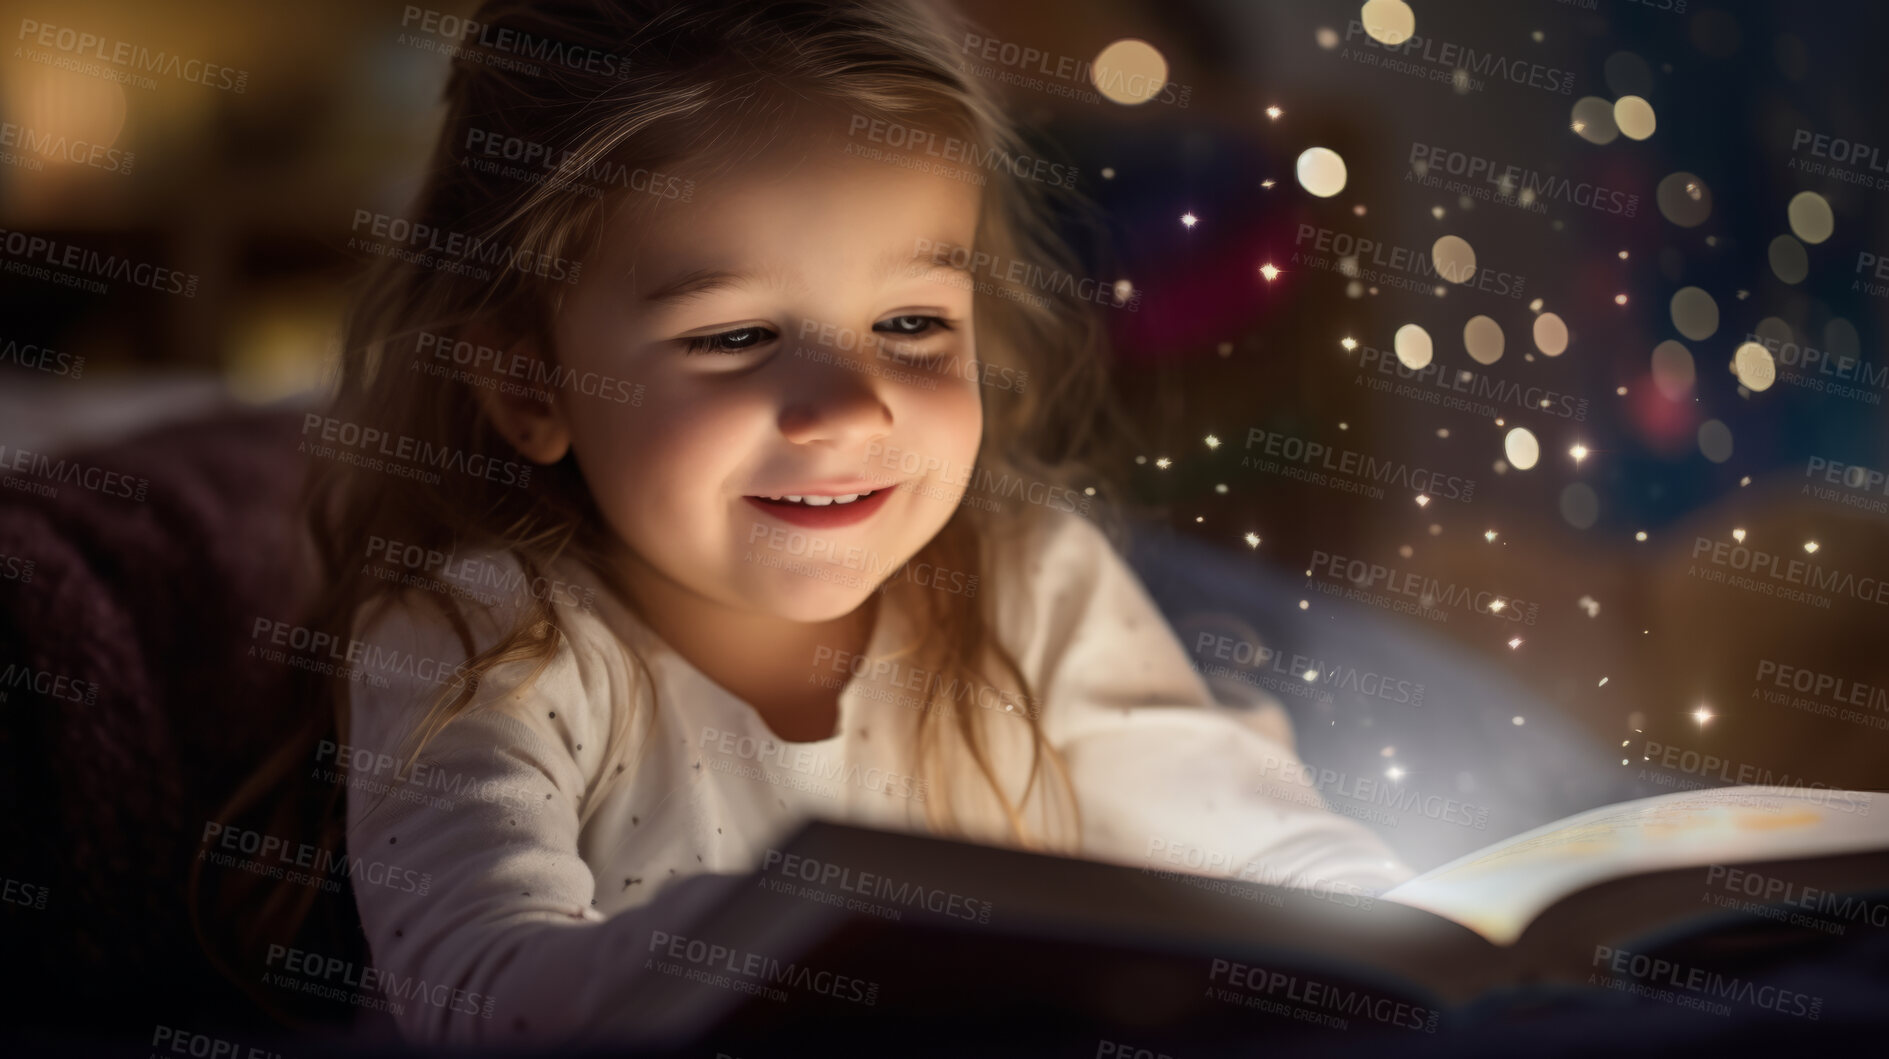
(836, 406)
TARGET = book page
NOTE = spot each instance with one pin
(1497, 891)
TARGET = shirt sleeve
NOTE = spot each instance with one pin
(1164, 776)
(487, 935)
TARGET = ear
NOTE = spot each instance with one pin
(510, 388)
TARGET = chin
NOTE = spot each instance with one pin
(805, 598)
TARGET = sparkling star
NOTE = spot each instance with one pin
(1269, 272)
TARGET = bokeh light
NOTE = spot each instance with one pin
(1635, 117)
(1482, 337)
(1388, 21)
(1695, 313)
(1129, 72)
(1521, 448)
(1551, 334)
(1684, 199)
(1673, 370)
(1321, 171)
(1754, 367)
(1413, 346)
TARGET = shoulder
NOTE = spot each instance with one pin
(563, 678)
(1044, 562)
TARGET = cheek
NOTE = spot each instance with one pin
(654, 463)
(950, 419)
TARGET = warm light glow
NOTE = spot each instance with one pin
(1755, 368)
(1579, 452)
(1454, 258)
(1738, 535)
(1129, 72)
(1268, 271)
(1348, 342)
(1702, 715)
(1592, 119)
(1513, 644)
(1694, 313)
(1395, 772)
(1521, 448)
(1482, 337)
(1810, 217)
(1189, 219)
(1811, 547)
(1321, 171)
(1388, 21)
(1413, 347)
(1252, 540)
(1551, 334)
(1164, 463)
(1423, 500)
(1635, 117)
(1273, 113)
(1211, 441)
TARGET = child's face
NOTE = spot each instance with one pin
(793, 335)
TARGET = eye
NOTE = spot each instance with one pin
(740, 340)
(914, 326)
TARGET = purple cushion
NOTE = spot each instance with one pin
(131, 708)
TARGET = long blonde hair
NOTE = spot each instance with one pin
(659, 82)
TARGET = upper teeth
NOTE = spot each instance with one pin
(822, 501)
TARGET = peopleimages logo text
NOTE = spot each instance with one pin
(1515, 180)
(1459, 57)
(1358, 465)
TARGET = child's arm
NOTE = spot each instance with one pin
(1166, 778)
(491, 906)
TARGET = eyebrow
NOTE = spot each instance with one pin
(701, 281)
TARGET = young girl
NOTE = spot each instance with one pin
(728, 490)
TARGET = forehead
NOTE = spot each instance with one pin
(812, 197)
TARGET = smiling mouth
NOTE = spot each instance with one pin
(823, 511)
(817, 501)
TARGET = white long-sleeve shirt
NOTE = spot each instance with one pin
(547, 862)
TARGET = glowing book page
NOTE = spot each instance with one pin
(1497, 891)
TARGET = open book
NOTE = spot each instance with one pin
(1500, 891)
(1676, 896)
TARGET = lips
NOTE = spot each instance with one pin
(823, 510)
